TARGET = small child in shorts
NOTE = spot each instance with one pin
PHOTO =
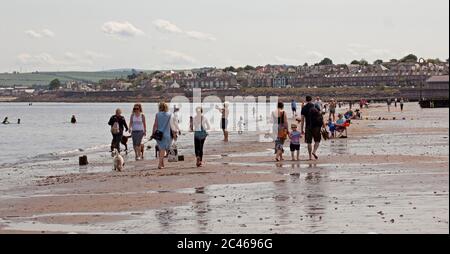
(295, 137)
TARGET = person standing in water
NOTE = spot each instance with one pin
(389, 102)
(402, 104)
(225, 111)
(18, 121)
(5, 121)
(73, 120)
(294, 108)
(118, 125)
(138, 129)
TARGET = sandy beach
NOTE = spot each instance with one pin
(389, 176)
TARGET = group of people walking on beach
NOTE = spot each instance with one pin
(165, 131)
(311, 124)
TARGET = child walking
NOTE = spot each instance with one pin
(295, 137)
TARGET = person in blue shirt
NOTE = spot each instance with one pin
(331, 127)
(341, 126)
(294, 108)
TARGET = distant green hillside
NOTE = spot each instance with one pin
(44, 78)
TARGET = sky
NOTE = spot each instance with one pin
(88, 35)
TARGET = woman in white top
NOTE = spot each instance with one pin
(201, 125)
(138, 129)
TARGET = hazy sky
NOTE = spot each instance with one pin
(51, 35)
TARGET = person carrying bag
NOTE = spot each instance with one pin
(200, 135)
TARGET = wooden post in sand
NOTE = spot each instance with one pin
(83, 160)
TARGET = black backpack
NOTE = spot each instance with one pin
(316, 117)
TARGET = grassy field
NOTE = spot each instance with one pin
(44, 78)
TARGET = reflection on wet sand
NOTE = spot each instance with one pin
(315, 198)
(165, 217)
(201, 210)
(339, 146)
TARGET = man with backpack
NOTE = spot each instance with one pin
(118, 124)
(311, 126)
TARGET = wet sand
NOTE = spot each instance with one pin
(389, 176)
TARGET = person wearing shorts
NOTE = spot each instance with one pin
(225, 111)
(332, 114)
(295, 137)
(310, 127)
(313, 134)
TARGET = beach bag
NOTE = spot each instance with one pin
(173, 153)
(325, 134)
(282, 129)
(115, 129)
(158, 135)
(283, 133)
(316, 117)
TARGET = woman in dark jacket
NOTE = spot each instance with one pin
(118, 124)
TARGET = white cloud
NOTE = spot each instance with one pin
(74, 59)
(40, 59)
(40, 34)
(68, 59)
(200, 36)
(166, 26)
(121, 29)
(48, 33)
(169, 27)
(178, 58)
(94, 55)
(33, 34)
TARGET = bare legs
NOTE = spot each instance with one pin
(313, 152)
(296, 158)
(225, 136)
(162, 154)
(333, 116)
(316, 147)
(138, 152)
(279, 156)
(310, 151)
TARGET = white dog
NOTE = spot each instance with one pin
(118, 161)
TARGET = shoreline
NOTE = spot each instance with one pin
(242, 176)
